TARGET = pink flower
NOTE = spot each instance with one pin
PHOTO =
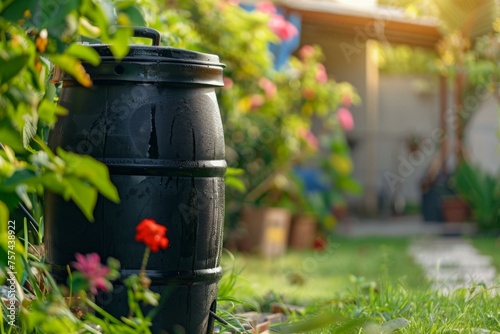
(345, 119)
(282, 28)
(225, 3)
(256, 101)
(268, 86)
(321, 75)
(306, 52)
(309, 138)
(91, 268)
(228, 83)
(266, 7)
(346, 100)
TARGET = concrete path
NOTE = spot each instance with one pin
(449, 260)
(407, 226)
(451, 263)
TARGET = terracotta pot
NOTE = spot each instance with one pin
(455, 209)
(302, 232)
(265, 230)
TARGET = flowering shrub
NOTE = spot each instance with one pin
(45, 307)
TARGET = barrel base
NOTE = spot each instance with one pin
(182, 309)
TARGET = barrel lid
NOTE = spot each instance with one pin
(154, 63)
(159, 54)
(156, 53)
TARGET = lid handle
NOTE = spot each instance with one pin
(148, 33)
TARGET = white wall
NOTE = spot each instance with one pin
(481, 136)
(408, 106)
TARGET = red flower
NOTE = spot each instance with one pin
(91, 268)
(320, 244)
(152, 234)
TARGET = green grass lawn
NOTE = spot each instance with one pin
(313, 276)
(368, 285)
(489, 246)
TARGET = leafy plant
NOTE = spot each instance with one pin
(482, 192)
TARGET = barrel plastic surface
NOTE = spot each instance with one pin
(163, 143)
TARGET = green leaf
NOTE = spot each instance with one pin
(21, 176)
(10, 136)
(22, 192)
(72, 66)
(235, 171)
(77, 282)
(134, 14)
(85, 53)
(119, 43)
(54, 182)
(48, 111)
(11, 67)
(4, 215)
(29, 128)
(86, 167)
(15, 10)
(235, 183)
(84, 196)
(13, 246)
(350, 185)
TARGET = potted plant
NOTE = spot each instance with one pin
(481, 192)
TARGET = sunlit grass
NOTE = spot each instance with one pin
(314, 276)
(368, 285)
(489, 246)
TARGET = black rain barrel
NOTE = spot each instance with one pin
(153, 119)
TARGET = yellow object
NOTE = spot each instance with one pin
(342, 164)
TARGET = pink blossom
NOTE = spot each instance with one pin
(282, 28)
(306, 52)
(310, 139)
(321, 75)
(256, 101)
(345, 119)
(228, 83)
(346, 100)
(91, 268)
(266, 7)
(223, 4)
(268, 86)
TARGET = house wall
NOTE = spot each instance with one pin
(481, 136)
(392, 109)
(408, 107)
